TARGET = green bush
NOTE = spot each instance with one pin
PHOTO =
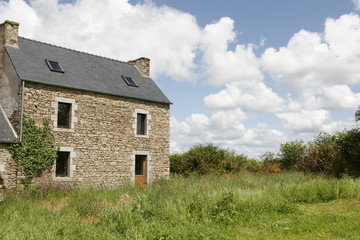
(333, 154)
(36, 152)
(321, 156)
(291, 153)
(348, 145)
(270, 164)
(204, 159)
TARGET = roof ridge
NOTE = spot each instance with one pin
(74, 50)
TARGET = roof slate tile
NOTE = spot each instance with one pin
(81, 71)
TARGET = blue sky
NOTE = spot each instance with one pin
(243, 74)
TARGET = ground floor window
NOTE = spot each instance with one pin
(62, 164)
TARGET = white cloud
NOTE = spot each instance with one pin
(19, 11)
(305, 120)
(225, 129)
(221, 65)
(357, 4)
(125, 32)
(335, 126)
(314, 59)
(254, 96)
(340, 97)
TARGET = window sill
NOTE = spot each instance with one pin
(64, 129)
(62, 179)
(142, 136)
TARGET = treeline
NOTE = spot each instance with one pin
(335, 154)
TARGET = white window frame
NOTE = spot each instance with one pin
(148, 166)
(147, 127)
(72, 166)
(73, 118)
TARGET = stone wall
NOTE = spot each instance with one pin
(103, 139)
(8, 170)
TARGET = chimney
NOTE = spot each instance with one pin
(9, 33)
(8, 36)
(143, 65)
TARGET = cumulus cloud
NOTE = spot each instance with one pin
(339, 97)
(335, 126)
(318, 59)
(305, 120)
(19, 11)
(221, 65)
(254, 96)
(125, 32)
(357, 4)
(225, 129)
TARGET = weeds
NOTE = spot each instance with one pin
(281, 206)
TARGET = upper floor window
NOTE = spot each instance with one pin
(54, 66)
(142, 120)
(64, 118)
(64, 115)
(141, 124)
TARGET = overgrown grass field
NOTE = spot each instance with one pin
(247, 206)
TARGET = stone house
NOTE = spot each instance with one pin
(111, 122)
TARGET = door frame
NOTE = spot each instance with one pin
(148, 166)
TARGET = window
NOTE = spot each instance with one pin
(54, 66)
(62, 164)
(64, 167)
(141, 124)
(64, 115)
(130, 81)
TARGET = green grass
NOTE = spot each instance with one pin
(281, 206)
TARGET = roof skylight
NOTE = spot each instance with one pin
(130, 81)
(54, 66)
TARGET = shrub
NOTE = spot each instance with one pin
(36, 152)
(204, 159)
(270, 164)
(348, 144)
(291, 153)
(321, 156)
(335, 154)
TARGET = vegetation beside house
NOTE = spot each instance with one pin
(245, 206)
(336, 154)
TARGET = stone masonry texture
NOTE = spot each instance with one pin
(104, 137)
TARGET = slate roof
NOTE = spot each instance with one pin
(81, 71)
(7, 134)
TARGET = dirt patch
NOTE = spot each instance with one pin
(89, 220)
(57, 206)
(125, 199)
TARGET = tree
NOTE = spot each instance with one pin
(290, 154)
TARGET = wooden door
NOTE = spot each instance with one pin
(140, 170)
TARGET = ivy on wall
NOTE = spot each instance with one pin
(36, 152)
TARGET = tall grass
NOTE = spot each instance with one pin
(209, 207)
